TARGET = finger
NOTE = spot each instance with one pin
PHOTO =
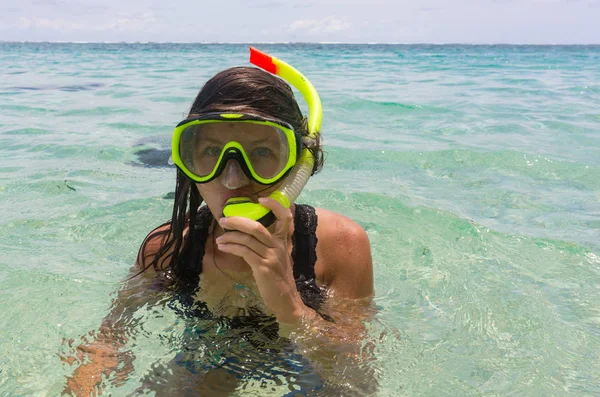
(242, 251)
(248, 226)
(236, 237)
(283, 215)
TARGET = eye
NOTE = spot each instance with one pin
(212, 151)
(262, 152)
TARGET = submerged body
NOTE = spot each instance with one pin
(249, 345)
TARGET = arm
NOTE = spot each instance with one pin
(344, 266)
(105, 354)
(342, 348)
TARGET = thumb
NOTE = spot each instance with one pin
(283, 215)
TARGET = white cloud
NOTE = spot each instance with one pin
(142, 22)
(319, 26)
(123, 22)
(44, 23)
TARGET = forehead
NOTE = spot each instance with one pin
(237, 130)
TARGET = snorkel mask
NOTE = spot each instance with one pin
(267, 150)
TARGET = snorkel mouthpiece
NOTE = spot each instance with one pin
(298, 177)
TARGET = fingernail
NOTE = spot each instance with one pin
(262, 200)
(218, 240)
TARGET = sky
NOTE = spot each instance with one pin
(346, 21)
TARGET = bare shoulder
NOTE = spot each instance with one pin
(344, 261)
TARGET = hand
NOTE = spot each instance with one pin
(96, 359)
(268, 257)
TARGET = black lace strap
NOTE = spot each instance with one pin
(304, 240)
(304, 255)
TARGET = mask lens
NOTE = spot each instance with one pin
(198, 154)
(268, 154)
(266, 147)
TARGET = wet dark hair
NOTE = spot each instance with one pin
(238, 89)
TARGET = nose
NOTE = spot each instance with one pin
(233, 176)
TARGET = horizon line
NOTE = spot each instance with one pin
(292, 42)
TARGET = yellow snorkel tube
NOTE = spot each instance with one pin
(298, 177)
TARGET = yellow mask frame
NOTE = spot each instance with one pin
(233, 149)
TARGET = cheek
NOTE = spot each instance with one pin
(209, 190)
(212, 197)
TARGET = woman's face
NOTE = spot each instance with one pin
(233, 182)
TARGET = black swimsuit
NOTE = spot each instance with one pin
(248, 346)
(304, 250)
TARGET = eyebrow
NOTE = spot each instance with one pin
(216, 140)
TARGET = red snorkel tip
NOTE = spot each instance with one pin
(262, 60)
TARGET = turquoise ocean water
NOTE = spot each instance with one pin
(474, 169)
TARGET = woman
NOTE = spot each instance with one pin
(242, 143)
